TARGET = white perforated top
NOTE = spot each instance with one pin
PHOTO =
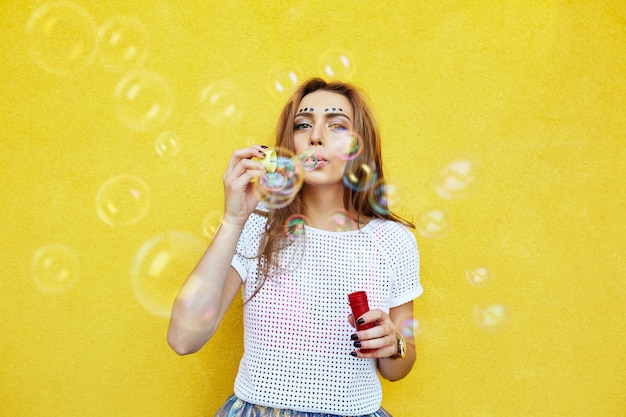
(296, 331)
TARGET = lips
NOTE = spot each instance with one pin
(312, 161)
(320, 161)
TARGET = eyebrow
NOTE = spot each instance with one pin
(326, 115)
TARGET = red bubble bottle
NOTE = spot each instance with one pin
(359, 306)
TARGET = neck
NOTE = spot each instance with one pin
(320, 202)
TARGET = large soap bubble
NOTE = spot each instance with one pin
(62, 37)
(278, 188)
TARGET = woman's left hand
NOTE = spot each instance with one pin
(379, 341)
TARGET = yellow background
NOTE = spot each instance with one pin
(504, 128)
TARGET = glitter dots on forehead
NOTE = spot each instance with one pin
(326, 110)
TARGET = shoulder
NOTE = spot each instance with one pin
(392, 230)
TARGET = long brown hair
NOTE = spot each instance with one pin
(365, 202)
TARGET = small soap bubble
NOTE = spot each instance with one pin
(478, 277)
(409, 327)
(167, 144)
(122, 200)
(279, 188)
(337, 65)
(341, 221)
(492, 317)
(383, 196)
(294, 226)
(54, 268)
(220, 103)
(360, 176)
(455, 179)
(309, 160)
(158, 266)
(62, 37)
(211, 223)
(282, 81)
(143, 100)
(433, 224)
(123, 43)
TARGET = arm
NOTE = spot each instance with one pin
(209, 290)
(206, 295)
(382, 337)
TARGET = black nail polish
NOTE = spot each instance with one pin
(354, 337)
(353, 354)
(357, 344)
(360, 321)
(263, 146)
(262, 154)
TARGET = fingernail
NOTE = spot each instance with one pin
(357, 344)
(263, 146)
(354, 337)
(360, 321)
(262, 154)
(353, 353)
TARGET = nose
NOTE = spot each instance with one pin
(317, 136)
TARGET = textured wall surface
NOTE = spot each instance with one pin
(504, 128)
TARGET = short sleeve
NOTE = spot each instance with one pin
(405, 266)
(245, 257)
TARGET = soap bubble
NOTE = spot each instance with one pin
(455, 179)
(123, 43)
(279, 188)
(347, 145)
(478, 277)
(211, 223)
(54, 268)
(159, 267)
(122, 200)
(282, 81)
(337, 65)
(409, 327)
(294, 226)
(143, 100)
(360, 176)
(62, 37)
(492, 317)
(220, 103)
(341, 221)
(167, 144)
(433, 224)
(383, 196)
(309, 160)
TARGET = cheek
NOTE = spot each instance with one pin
(299, 144)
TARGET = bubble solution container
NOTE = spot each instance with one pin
(359, 306)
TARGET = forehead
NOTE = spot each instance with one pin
(321, 100)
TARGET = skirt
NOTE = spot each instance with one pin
(235, 407)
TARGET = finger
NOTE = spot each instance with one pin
(351, 320)
(255, 151)
(376, 348)
(245, 167)
(372, 316)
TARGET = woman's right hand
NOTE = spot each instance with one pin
(240, 200)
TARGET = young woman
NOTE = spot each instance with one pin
(302, 353)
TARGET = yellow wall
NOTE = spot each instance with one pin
(504, 130)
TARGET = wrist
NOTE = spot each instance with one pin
(401, 347)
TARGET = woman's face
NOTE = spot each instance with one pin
(323, 125)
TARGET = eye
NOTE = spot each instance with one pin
(336, 127)
(302, 126)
